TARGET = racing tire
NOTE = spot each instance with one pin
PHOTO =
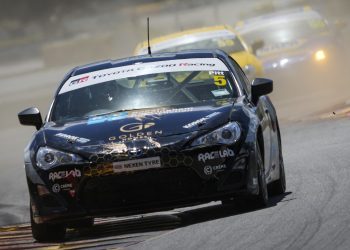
(45, 232)
(278, 187)
(261, 199)
(256, 201)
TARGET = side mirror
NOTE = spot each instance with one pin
(31, 117)
(256, 45)
(260, 87)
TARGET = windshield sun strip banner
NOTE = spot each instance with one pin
(188, 39)
(179, 65)
(260, 22)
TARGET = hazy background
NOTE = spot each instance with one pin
(41, 40)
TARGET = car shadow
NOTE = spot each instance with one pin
(138, 226)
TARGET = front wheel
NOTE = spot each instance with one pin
(278, 187)
(45, 232)
(259, 200)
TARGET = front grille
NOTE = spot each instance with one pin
(142, 187)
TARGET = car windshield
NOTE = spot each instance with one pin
(229, 44)
(166, 83)
(273, 33)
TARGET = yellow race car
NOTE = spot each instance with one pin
(216, 37)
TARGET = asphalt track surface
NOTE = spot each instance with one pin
(313, 214)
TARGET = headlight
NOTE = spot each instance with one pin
(320, 55)
(48, 157)
(228, 134)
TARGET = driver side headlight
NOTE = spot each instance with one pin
(47, 158)
(228, 134)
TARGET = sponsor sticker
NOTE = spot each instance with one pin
(107, 118)
(203, 157)
(178, 65)
(79, 80)
(216, 73)
(154, 113)
(64, 174)
(72, 138)
(208, 170)
(137, 126)
(201, 120)
(135, 165)
(138, 135)
(220, 92)
(56, 188)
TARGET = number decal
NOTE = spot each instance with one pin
(220, 81)
(225, 43)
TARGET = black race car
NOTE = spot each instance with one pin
(151, 133)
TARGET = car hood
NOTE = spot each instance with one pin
(282, 54)
(242, 58)
(151, 126)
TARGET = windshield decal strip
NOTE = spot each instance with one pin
(196, 64)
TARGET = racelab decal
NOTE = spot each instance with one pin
(139, 164)
(201, 120)
(72, 138)
(179, 65)
(215, 155)
(64, 174)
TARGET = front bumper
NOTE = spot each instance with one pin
(99, 192)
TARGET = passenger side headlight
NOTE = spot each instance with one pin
(228, 134)
(47, 158)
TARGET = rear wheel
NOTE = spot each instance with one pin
(45, 232)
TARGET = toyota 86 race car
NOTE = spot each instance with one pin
(151, 133)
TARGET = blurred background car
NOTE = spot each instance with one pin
(215, 37)
(296, 45)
